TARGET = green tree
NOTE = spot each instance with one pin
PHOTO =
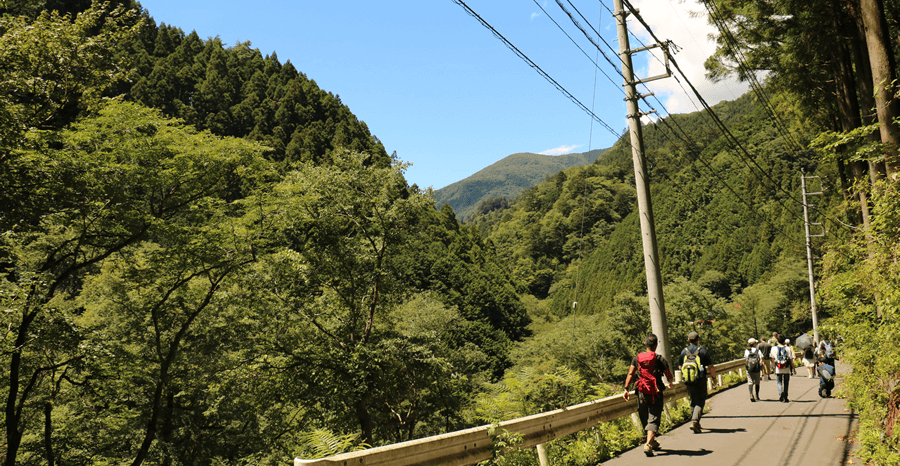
(342, 228)
(121, 179)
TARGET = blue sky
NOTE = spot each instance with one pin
(438, 88)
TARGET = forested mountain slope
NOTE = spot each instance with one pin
(506, 179)
(206, 258)
(727, 227)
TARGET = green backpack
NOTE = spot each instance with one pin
(690, 369)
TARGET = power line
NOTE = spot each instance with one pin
(724, 129)
(533, 65)
(598, 119)
(740, 59)
(596, 65)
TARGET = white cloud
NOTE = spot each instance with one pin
(536, 15)
(561, 150)
(674, 21)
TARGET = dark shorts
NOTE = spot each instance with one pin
(650, 410)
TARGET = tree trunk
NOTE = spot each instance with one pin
(12, 414)
(850, 118)
(866, 91)
(884, 73)
(48, 433)
(365, 420)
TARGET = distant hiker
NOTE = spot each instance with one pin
(693, 361)
(791, 350)
(784, 367)
(773, 342)
(809, 360)
(765, 348)
(826, 377)
(649, 388)
(754, 366)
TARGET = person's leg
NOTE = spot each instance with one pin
(780, 379)
(643, 409)
(654, 415)
(696, 401)
(696, 407)
(754, 386)
(787, 383)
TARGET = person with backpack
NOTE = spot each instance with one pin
(826, 350)
(809, 360)
(765, 349)
(826, 377)
(693, 361)
(754, 366)
(784, 367)
(648, 387)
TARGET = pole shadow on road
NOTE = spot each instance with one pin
(666, 452)
(722, 431)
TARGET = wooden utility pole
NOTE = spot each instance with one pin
(809, 261)
(642, 184)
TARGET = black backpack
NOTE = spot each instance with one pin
(753, 362)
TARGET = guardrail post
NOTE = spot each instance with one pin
(741, 372)
(542, 454)
(719, 376)
(678, 376)
(709, 383)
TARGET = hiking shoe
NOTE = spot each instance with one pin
(695, 426)
(753, 399)
(654, 445)
(648, 450)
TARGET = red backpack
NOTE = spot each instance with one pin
(647, 372)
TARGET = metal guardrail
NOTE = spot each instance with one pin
(470, 446)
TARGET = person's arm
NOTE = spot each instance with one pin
(665, 365)
(631, 371)
(712, 368)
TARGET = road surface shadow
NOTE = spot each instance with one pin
(665, 452)
(721, 431)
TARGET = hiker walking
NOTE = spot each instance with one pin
(649, 367)
(765, 349)
(809, 360)
(784, 367)
(754, 366)
(693, 361)
(826, 377)
(826, 350)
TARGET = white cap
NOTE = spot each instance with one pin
(787, 340)
(751, 341)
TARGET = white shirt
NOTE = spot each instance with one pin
(788, 355)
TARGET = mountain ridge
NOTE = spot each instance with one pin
(507, 178)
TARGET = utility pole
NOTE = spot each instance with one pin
(642, 183)
(809, 259)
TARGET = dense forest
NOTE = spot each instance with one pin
(207, 259)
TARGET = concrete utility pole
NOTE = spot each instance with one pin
(809, 261)
(645, 209)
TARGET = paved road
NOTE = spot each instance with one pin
(809, 430)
